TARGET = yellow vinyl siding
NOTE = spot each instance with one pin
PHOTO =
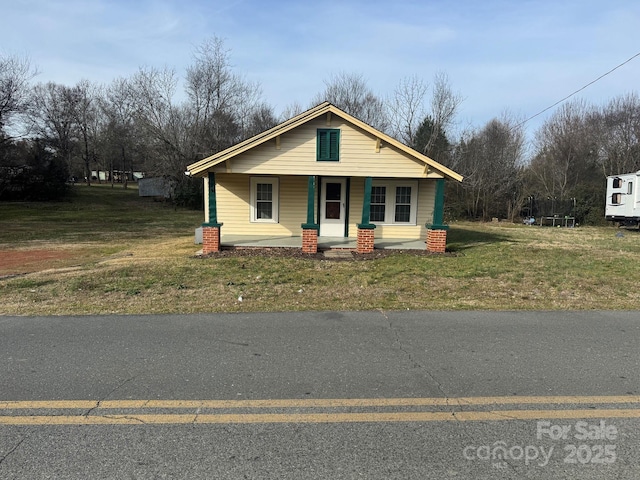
(233, 197)
(297, 155)
(356, 195)
(426, 198)
(326, 116)
(233, 194)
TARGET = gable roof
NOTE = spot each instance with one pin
(201, 167)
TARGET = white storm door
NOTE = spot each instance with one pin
(333, 201)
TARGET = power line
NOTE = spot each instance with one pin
(579, 90)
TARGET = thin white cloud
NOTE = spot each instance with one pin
(499, 54)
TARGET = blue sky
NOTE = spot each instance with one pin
(517, 56)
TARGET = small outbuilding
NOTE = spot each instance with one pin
(323, 174)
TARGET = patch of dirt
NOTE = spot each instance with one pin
(16, 262)
(285, 252)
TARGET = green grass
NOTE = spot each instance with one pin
(99, 212)
(137, 256)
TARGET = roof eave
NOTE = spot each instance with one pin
(447, 172)
(199, 169)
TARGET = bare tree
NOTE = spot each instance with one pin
(164, 122)
(261, 118)
(291, 110)
(120, 132)
(53, 117)
(154, 91)
(223, 104)
(618, 124)
(15, 75)
(567, 151)
(350, 93)
(221, 109)
(87, 113)
(444, 106)
(421, 122)
(491, 159)
(407, 109)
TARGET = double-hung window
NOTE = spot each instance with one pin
(402, 213)
(378, 203)
(328, 145)
(264, 199)
(394, 202)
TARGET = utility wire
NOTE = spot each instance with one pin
(579, 90)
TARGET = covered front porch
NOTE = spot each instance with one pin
(330, 202)
(324, 243)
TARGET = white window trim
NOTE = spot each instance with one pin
(390, 203)
(274, 181)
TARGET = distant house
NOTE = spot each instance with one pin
(324, 174)
(118, 176)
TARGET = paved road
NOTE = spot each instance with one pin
(322, 395)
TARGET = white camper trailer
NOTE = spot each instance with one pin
(623, 201)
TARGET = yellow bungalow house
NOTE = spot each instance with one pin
(320, 174)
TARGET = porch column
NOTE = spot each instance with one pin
(310, 229)
(366, 237)
(437, 231)
(211, 229)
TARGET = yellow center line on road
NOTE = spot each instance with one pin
(105, 412)
(370, 417)
(319, 403)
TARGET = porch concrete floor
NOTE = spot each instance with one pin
(324, 243)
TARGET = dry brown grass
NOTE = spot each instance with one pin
(153, 269)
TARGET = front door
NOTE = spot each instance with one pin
(333, 200)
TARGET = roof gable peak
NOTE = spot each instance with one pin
(198, 168)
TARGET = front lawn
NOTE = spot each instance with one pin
(123, 254)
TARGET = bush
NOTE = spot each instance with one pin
(189, 193)
(30, 172)
(590, 201)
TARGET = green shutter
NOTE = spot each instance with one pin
(328, 145)
(322, 145)
(334, 142)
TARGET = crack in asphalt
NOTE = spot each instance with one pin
(438, 384)
(415, 363)
(99, 402)
(128, 417)
(195, 417)
(12, 450)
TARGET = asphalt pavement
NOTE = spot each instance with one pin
(415, 394)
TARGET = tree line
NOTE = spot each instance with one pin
(51, 133)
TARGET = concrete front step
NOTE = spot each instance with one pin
(337, 253)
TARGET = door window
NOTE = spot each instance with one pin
(333, 198)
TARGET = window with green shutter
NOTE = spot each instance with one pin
(328, 149)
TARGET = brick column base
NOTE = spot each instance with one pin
(309, 240)
(436, 241)
(366, 239)
(210, 240)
